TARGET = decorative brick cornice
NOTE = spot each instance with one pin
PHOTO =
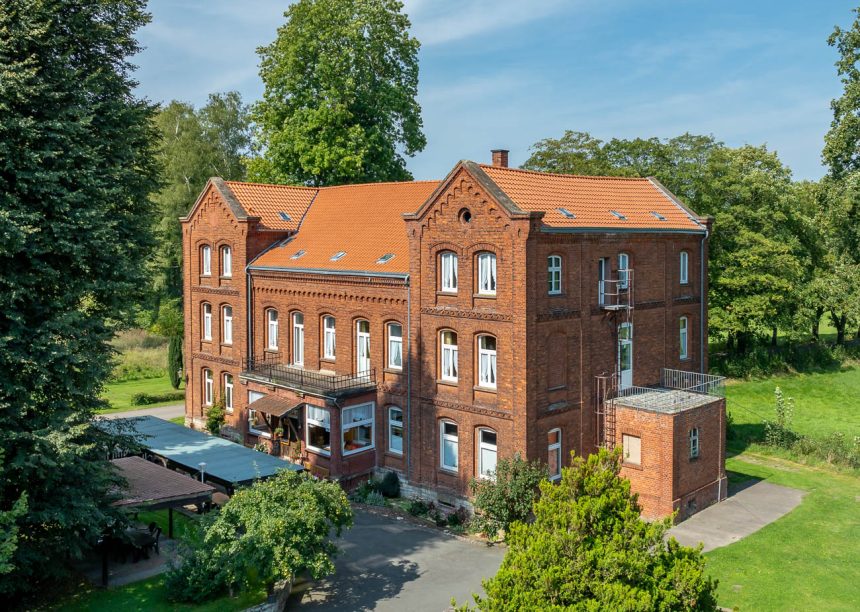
(687, 299)
(558, 314)
(328, 296)
(208, 357)
(330, 279)
(391, 389)
(465, 314)
(650, 305)
(214, 290)
(482, 410)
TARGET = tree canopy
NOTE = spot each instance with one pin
(339, 106)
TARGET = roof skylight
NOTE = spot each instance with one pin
(658, 215)
(567, 213)
(297, 254)
(284, 216)
(618, 215)
(338, 255)
(385, 258)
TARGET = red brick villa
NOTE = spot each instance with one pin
(432, 327)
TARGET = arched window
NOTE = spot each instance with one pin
(206, 260)
(228, 393)
(694, 442)
(298, 338)
(448, 272)
(553, 264)
(685, 265)
(486, 274)
(208, 387)
(487, 361)
(272, 329)
(395, 346)
(207, 321)
(448, 342)
(227, 315)
(602, 268)
(553, 448)
(487, 453)
(623, 270)
(226, 261)
(682, 337)
(449, 449)
(395, 430)
(362, 347)
(329, 337)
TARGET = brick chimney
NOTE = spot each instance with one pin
(500, 158)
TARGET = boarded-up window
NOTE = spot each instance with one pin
(556, 361)
(632, 448)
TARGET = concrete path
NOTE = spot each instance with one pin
(746, 510)
(391, 564)
(162, 412)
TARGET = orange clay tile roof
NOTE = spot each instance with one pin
(591, 198)
(363, 221)
(269, 201)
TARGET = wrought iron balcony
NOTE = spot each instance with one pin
(271, 369)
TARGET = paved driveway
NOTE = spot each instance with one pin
(162, 412)
(390, 564)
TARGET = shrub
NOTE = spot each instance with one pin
(779, 433)
(215, 417)
(417, 507)
(174, 361)
(835, 449)
(436, 515)
(389, 486)
(147, 399)
(375, 498)
(509, 496)
(360, 493)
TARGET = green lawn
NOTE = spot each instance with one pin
(807, 560)
(119, 394)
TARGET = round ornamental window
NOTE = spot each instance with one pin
(465, 216)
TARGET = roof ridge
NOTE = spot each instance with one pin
(330, 187)
(272, 185)
(602, 177)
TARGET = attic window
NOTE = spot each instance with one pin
(338, 255)
(385, 258)
(658, 215)
(297, 254)
(567, 213)
(618, 215)
(284, 216)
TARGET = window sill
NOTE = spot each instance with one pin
(449, 471)
(357, 451)
(393, 454)
(225, 277)
(694, 459)
(271, 351)
(556, 388)
(632, 466)
(485, 296)
(226, 345)
(259, 434)
(448, 293)
(447, 383)
(393, 370)
(328, 359)
(485, 389)
(317, 451)
(555, 295)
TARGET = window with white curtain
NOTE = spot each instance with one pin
(449, 446)
(318, 429)
(272, 329)
(207, 321)
(623, 270)
(448, 342)
(206, 260)
(487, 274)
(487, 453)
(257, 423)
(448, 275)
(487, 361)
(226, 261)
(685, 265)
(554, 453)
(298, 338)
(227, 314)
(329, 337)
(682, 337)
(208, 387)
(395, 346)
(631, 447)
(228, 393)
(395, 430)
(357, 427)
(554, 274)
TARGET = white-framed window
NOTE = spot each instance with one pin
(362, 347)
(449, 450)
(298, 338)
(357, 428)
(553, 450)
(272, 329)
(553, 270)
(601, 281)
(685, 267)
(395, 346)
(329, 337)
(448, 273)
(227, 316)
(623, 270)
(448, 343)
(694, 442)
(207, 321)
(487, 274)
(487, 453)
(206, 260)
(208, 388)
(257, 423)
(487, 361)
(682, 337)
(226, 261)
(228, 393)
(318, 429)
(631, 446)
(395, 430)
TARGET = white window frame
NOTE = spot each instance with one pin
(272, 329)
(344, 427)
(601, 281)
(228, 393)
(392, 423)
(362, 340)
(482, 446)
(206, 260)
(312, 421)
(207, 321)
(487, 373)
(329, 337)
(694, 443)
(487, 273)
(683, 337)
(554, 448)
(253, 396)
(448, 367)
(627, 449)
(208, 387)
(450, 438)
(298, 338)
(395, 346)
(623, 270)
(448, 271)
(553, 266)
(227, 324)
(684, 260)
(226, 262)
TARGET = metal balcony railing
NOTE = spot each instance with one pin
(616, 293)
(678, 390)
(271, 368)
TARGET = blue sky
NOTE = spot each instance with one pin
(506, 73)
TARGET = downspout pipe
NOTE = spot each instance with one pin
(702, 298)
(408, 379)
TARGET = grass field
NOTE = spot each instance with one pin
(119, 394)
